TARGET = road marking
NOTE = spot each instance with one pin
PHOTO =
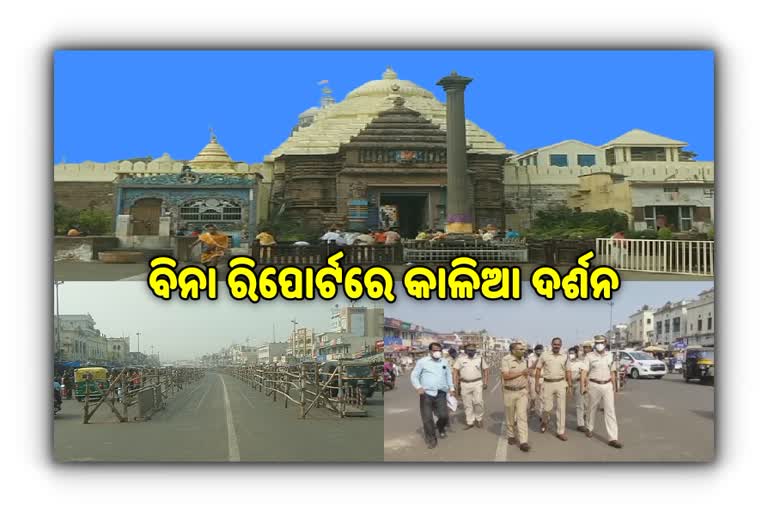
(397, 411)
(137, 277)
(496, 386)
(246, 398)
(234, 449)
(651, 406)
(501, 444)
(204, 395)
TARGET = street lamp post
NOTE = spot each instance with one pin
(57, 355)
(138, 342)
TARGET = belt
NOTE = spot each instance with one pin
(554, 380)
(473, 380)
(600, 381)
(510, 388)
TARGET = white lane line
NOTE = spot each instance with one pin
(234, 449)
(246, 398)
(204, 395)
(496, 386)
(501, 445)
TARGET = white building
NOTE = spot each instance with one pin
(271, 352)
(670, 323)
(641, 327)
(701, 320)
(76, 338)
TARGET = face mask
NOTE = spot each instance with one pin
(538, 353)
(471, 353)
(571, 356)
(599, 347)
(437, 354)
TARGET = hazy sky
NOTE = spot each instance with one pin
(185, 329)
(535, 319)
(111, 105)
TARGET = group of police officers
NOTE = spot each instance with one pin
(535, 384)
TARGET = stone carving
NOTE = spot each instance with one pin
(189, 178)
(357, 190)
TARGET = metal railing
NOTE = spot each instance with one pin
(426, 252)
(146, 390)
(317, 254)
(306, 386)
(689, 257)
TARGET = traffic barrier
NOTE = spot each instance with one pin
(688, 257)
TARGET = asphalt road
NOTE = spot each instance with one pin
(97, 271)
(659, 420)
(219, 419)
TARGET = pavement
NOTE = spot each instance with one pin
(98, 271)
(219, 419)
(659, 420)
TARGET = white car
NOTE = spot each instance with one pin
(642, 364)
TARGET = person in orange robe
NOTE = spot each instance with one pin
(214, 245)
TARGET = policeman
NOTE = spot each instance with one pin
(534, 400)
(514, 373)
(552, 367)
(577, 365)
(599, 383)
(472, 371)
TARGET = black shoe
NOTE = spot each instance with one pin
(511, 441)
(443, 434)
(479, 423)
(467, 427)
(431, 444)
(524, 447)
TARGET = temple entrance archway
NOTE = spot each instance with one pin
(409, 211)
(145, 215)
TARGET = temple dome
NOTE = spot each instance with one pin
(212, 156)
(336, 124)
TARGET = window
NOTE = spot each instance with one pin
(699, 329)
(558, 160)
(211, 210)
(709, 323)
(650, 217)
(709, 192)
(658, 327)
(686, 218)
(676, 324)
(648, 321)
(666, 326)
(671, 189)
(585, 160)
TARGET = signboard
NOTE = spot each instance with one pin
(394, 323)
(392, 340)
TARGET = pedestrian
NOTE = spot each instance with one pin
(450, 358)
(577, 367)
(391, 237)
(214, 245)
(471, 371)
(599, 382)
(552, 367)
(514, 373)
(432, 379)
(534, 401)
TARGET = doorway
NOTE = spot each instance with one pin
(145, 215)
(407, 212)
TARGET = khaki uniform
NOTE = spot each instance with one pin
(515, 393)
(555, 387)
(534, 398)
(577, 366)
(600, 389)
(470, 371)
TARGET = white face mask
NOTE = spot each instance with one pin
(571, 356)
(437, 354)
(599, 347)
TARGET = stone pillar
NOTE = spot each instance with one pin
(123, 227)
(458, 214)
(165, 226)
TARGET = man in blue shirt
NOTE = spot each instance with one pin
(432, 379)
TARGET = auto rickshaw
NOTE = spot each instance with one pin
(93, 380)
(357, 378)
(699, 364)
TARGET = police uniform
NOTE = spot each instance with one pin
(577, 366)
(553, 367)
(534, 398)
(470, 371)
(600, 389)
(516, 398)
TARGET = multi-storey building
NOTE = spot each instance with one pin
(640, 327)
(701, 320)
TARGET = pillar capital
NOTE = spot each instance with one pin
(454, 82)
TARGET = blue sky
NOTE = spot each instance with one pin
(111, 105)
(535, 319)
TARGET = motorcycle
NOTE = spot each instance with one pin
(387, 381)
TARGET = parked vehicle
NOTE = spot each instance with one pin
(642, 364)
(699, 364)
(90, 381)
